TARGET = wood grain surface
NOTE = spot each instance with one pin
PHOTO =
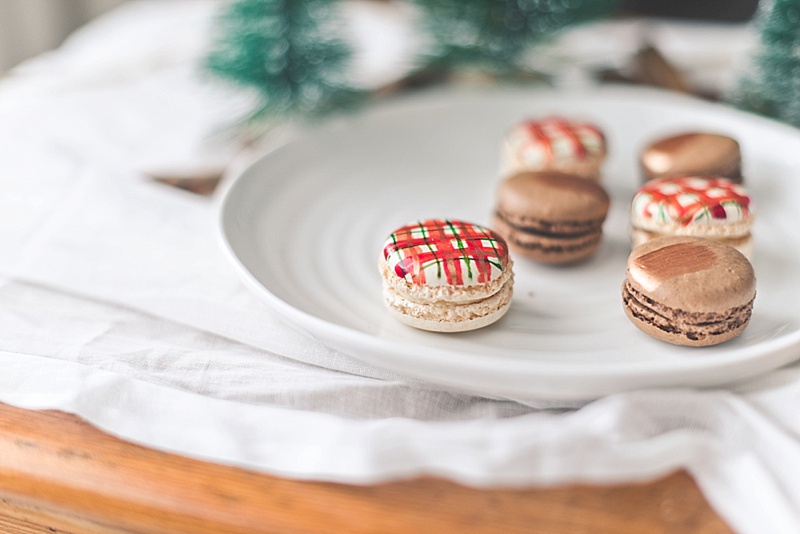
(59, 474)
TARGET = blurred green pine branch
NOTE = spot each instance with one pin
(494, 35)
(292, 53)
(772, 87)
(288, 52)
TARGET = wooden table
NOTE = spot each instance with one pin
(59, 474)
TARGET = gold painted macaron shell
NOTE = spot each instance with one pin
(693, 153)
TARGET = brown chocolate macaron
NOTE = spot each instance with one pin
(689, 291)
(551, 217)
(693, 154)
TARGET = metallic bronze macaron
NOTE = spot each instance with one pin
(693, 154)
(689, 291)
(551, 217)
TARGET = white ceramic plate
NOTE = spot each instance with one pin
(305, 225)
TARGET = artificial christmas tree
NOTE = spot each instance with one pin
(772, 87)
(288, 51)
(493, 35)
(294, 53)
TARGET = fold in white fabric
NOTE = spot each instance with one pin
(117, 304)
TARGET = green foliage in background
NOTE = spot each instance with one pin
(287, 51)
(494, 35)
(772, 87)
(292, 53)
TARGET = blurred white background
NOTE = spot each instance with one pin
(29, 27)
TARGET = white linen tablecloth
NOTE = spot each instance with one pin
(118, 304)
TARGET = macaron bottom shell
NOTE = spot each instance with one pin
(683, 328)
(447, 316)
(545, 247)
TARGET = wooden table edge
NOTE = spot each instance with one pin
(61, 474)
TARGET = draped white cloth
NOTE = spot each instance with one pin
(117, 304)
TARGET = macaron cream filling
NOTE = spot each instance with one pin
(551, 238)
(545, 228)
(448, 311)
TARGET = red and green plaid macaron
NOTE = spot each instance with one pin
(689, 200)
(446, 252)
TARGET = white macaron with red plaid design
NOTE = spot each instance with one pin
(554, 144)
(446, 275)
(698, 206)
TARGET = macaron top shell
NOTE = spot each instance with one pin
(446, 253)
(692, 202)
(552, 196)
(692, 274)
(692, 153)
(539, 143)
